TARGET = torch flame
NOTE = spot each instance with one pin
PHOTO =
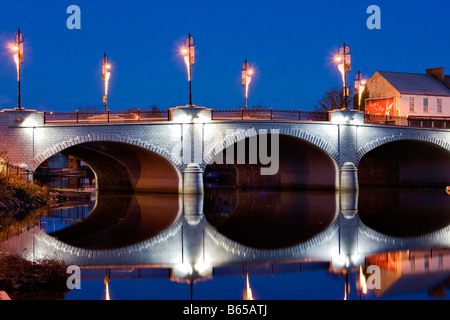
(362, 281)
(187, 61)
(107, 75)
(16, 60)
(106, 289)
(341, 69)
(360, 91)
(248, 291)
(248, 78)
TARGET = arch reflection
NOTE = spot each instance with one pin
(270, 219)
(122, 220)
(404, 212)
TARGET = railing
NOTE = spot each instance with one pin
(270, 114)
(91, 117)
(9, 169)
(109, 116)
(424, 122)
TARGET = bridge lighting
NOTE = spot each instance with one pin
(188, 53)
(107, 295)
(362, 281)
(17, 49)
(360, 83)
(248, 294)
(344, 59)
(105, 77)
(247, 73)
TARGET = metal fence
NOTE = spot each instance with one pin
(270, 114)
(9, 169)
(132, 116)
(109, 116)
(424, 122)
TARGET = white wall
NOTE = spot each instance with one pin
(418, 106)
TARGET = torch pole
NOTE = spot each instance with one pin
(19, 104)
(190, 75)
(345, 80)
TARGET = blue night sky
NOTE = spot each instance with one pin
(291, 45)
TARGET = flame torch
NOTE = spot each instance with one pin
(18, 59)
(105, 77)
(189, 59)
(344, 66)
(247, 73)
(360, 83)
(248, 295)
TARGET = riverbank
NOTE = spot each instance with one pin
(22, 204)
(18, 195)
(23, 280)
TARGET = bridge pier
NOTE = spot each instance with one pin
(193, 179)
(348, 232)
(348, 177)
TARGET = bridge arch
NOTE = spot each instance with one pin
(376, 241)
(123, 164)
(305, 161)
(405, 160)
(414, 136)
(323, 240)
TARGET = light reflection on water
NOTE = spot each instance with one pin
(265, 221)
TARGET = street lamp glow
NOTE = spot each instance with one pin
(343, 58)
(247, 73)
(18, 59)
(189, 59)
(105, 77)
(360, 84)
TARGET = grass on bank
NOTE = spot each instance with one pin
(24, 279)
(13, 187)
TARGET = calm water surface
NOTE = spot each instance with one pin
(279, 240)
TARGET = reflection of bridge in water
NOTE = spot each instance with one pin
(194, 244)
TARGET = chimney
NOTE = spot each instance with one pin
(437, 73)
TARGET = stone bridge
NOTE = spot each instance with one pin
(170, 155)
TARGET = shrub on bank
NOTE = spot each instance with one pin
(13, 189)
(23, 279)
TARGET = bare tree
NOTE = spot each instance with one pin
(334, 99)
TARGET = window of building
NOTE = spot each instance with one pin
(411, 104)
(425, 104)
(439, 105)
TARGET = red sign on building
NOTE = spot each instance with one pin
(384, 106)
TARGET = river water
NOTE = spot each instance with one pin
(289, 245)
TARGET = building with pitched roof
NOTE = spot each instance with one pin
(409, 94)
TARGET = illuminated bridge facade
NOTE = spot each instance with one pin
(169, 154)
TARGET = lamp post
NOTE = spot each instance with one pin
(105, 77)
(360, 83)
(18, 58)
(189, 58)
(344, 60)
(247, 73)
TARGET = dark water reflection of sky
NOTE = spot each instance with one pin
(257, 219)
